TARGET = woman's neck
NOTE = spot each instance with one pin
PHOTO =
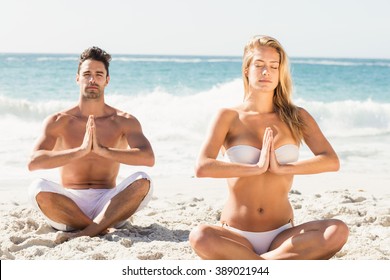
(259, 102)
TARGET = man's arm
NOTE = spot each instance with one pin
(140, 151)
(44, 155)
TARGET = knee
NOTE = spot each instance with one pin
(201, 238)
(336, 235)
(45, 199)
(141, 186)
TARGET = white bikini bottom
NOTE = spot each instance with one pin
(261, 241)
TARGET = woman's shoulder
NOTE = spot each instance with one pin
(303, 113)
(307, 119)
(228, 114)
(231, 111)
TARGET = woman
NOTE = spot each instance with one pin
(260, 139)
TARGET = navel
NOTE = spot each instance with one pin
(260, 210)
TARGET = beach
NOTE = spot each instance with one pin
(160, 231)
(175, 106)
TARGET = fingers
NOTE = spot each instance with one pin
(90, 125)
(94, 140)
(87, 142)
(268, 158)
(274, 164)
(267, 138)
(265, 150)
(90, 121)
(94, 137)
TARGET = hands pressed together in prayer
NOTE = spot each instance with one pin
(90, 142)
(267, 160)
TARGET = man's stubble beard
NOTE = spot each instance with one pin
(92, 95)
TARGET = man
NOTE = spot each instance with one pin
(89, 142)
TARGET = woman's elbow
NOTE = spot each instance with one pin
(200, 170)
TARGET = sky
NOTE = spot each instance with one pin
(306, 28)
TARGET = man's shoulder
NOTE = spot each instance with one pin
(59, 119)
(126, 121)
(122, 116)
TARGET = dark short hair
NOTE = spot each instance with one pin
(95, 53)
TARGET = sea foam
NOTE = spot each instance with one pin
(169, 114)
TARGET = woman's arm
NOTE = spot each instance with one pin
(208, 166)
(325, 158)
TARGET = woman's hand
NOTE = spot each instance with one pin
(274, 165)
(264, 159)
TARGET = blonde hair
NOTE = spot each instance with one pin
(283, 104)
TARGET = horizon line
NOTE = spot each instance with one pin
(186, 55)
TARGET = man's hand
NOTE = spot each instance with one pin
(90, 142)
(96, 147)
(87, 144)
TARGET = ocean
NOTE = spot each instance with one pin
(175, 97)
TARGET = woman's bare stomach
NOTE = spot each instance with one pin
(258, 207)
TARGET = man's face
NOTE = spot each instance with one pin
(92, 79)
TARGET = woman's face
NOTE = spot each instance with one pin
(263, 71)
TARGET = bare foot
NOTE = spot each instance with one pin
(62, 237)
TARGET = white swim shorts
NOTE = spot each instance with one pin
(90, 201)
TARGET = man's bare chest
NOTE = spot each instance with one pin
(107, 134)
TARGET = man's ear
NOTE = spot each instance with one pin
(107, 80)
(77, 78)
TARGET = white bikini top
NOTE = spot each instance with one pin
(250, 155)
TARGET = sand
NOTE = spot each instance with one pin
(161, 230)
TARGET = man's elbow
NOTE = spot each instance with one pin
(35, 162)
(335, 166)
(31, 165)
(150, 160)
